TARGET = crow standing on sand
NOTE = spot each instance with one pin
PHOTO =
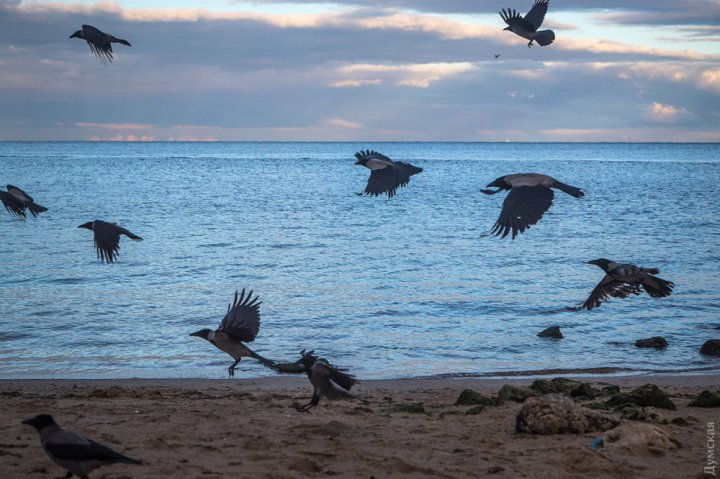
(527, 27)
(16, 201)
(75, 453)
(622, 280)
(529, 198)
(386, 175)
(100, 42)
(327, 381)
(107, 238)
(240, 325)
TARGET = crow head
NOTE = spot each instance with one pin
(203, 333)
(87, 226)
(40, 421)
(500, 183)
(601, 262)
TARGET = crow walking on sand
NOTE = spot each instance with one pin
(529, 198)
(527, 26)
(622, 280)
(100, 42)
(73, 452)
(16, 201)
(107, 238)
(327, 381)
(240, 325)
(386, 175)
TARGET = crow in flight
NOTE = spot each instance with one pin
(107, 238)
(100, 42)
(386, 175)
(529, 198)
(16, 201)
(622, 280)
(240, 325)
(326, 380)
(527, 27)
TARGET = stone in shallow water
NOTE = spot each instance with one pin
(657, 342)
(551, 332)
(711, 347)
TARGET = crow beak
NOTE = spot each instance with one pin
(506, 28)
(196, 333)
(29, 422)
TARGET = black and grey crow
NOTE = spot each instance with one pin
(622, 280)
(75, 453)
(240, 325)
(327, 381)
(529, 198)
(107, 238)
(527, 27)
(100, 42)
(386, 175)
(16, 201)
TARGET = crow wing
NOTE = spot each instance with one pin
(13, 205)
(242, 321)
(344, 380)
(99, 43)
(385, 180)
(609, 287)
(90, 451)
(536, 15)
(514, 19)
(372, 155)
(523, 207)
(107, 240)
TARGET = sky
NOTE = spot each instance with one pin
(360, 70)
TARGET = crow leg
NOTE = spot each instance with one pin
(530, 44)
(314, 402)
(231, 369)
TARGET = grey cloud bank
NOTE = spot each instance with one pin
(346, 75)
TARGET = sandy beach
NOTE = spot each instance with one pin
(251, 428)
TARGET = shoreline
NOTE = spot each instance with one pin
(299, 381)
(409, 428)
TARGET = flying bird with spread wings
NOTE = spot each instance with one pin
(386, 175)
(327, 381)
(100, 42)
(622, 280)
(529, 198)
(107, 238)
(16, 201)
(240, 325)
(527, 27)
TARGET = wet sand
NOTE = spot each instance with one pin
(251, 428)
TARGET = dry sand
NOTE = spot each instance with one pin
(251, 429)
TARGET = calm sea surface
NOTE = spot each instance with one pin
(403, 287)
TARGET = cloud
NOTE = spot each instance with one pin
(665, 113)
(417, 75)
(353, 83)
(339, 122)
(121, 137)
(115, 126)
